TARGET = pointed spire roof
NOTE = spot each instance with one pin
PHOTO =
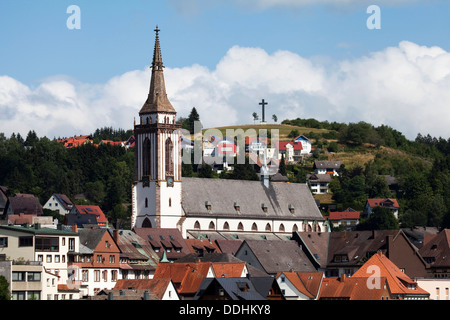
(157, 100)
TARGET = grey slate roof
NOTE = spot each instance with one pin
(90, 237)
(222, 194)
(278, 255)
(236, 288)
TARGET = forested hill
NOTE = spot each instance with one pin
(421, 167)
(42, 166)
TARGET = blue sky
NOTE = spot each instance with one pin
(43, 62)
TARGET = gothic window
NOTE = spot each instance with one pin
(211, 226)
(240, 226)
(146, 223)
(146, 202)
(169, 156)
(226, 226)
(268, 228)
(254, 227)
(146, 157)
(281, 228)
(294, 228)
(197, 225)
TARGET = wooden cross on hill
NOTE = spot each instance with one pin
(263, 104)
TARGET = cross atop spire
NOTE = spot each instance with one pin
(157, 63)
(157, 100)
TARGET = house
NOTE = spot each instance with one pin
(400, 285)
(168, 241)
(391, 204)
(239, 289)
(437, 287)
(300, 285)
(137, 259)
(436, 252)
(186, 277)
(38, 265)
(162, 289)
(292, 151)
(59, 202)
(93, 210)
(315, 246)
(348, 218)
(327, 167)
(349, 250)
(319, 182)
(274, 256)
(76, 141)
(354, 288)
(305, 143)
(97, 262)
(24, 203)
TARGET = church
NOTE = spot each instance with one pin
(213, 208)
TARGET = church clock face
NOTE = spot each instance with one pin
(170, 181)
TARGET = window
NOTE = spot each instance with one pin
(105, 275)
(3, 242)
(146, 202)
(84, 275)
(33, 276)
(112, 258)
(57, 258)
(254, 227)
(146, 157)
(170, 202)
(47, 244)
(169, 156)
(25, 241)
(71, 244)
(281, 228)
(240, 226)
(96, 275)
(197, 225)
(211, 226)
(268, 228)
(18, 276)
(48, 258)
(99, 258)
(114, 275)
(226, 226)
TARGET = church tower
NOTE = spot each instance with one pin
(156, 194)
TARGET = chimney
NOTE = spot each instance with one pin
(116, 235)
(37, 226)
(74, 228)
(146, 295)
(110, 296)
(342, 277)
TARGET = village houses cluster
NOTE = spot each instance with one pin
(203, 238)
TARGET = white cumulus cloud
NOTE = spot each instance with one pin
(405, 87)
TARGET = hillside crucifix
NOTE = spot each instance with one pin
(263, 104)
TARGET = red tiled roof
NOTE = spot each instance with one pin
(353, 288)
(186, 277)
(91, 209)
(307, 283)
(354, 215)
(156, 286)
(228, 269)
(282, 145)
(382, 202)
(399, 282)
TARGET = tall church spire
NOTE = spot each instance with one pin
(157, 100)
